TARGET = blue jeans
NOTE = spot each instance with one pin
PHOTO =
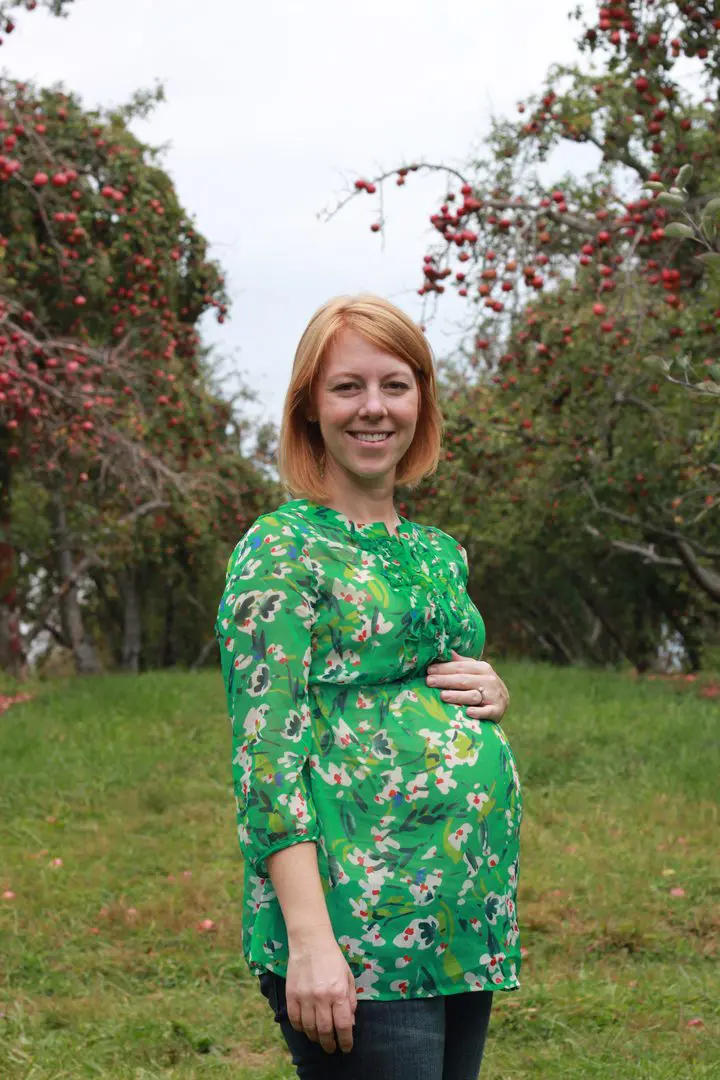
(437, 1038)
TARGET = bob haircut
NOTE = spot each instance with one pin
(301, 453)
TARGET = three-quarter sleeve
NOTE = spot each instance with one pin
(263, 627)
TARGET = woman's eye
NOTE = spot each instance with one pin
(352, 386)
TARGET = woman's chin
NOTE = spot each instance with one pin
(366, 469)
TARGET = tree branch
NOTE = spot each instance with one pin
(646, 551)
(705, 578)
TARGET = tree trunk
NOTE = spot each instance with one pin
(167, 651)
(132, 621)
(639, 659)
(86, 659)
(11, 652)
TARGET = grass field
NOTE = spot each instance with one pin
(118, 844)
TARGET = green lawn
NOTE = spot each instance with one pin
(126, 780)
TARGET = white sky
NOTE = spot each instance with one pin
(274, 108)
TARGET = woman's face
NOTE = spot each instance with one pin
(363, 390)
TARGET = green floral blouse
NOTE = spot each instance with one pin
(326, 628)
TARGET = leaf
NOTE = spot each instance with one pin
(677, 230)
(326, 742)
(654, 185)
(348, 821)
(658, 362)
(427, 931)
(452, 967)
(378, 592)
(684, 175)
(712, 258)
(666, 199)
(360, 802)
(710, 212)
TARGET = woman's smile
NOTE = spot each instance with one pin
(371, 438)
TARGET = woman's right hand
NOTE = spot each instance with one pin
(320, 993)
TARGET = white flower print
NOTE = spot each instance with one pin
(459, 837)
(373, 936)
(351, 946)
(424, 891)
(465, 887)
(297, 806)
(259, 682)
(344, 590)
(392, 785)
(360, 909)
(296, 723)
(365, 983)
(384, 841)
(366, 859)
(491, 961)
(434, 739)
(343, 734)
(417, 787)
(399, 700)
(419, 933)
(477, 982)
(254, 722)
(382, 625)
(334, 774)
(477, 799)
(493, 906)
(336, 666)
(444, 780)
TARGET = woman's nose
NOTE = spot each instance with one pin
(373, 406)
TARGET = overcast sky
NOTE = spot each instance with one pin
(274, 108)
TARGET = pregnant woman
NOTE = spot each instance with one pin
(378, 802)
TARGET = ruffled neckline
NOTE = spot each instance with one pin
(404, 561)
(368, 530)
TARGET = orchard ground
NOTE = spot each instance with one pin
(121, 883)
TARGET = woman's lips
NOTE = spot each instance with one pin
(371, 442)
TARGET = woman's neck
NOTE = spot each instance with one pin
(363, 508)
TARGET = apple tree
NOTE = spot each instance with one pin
(587, 305)
(104, 393)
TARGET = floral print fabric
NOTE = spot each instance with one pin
(326, 628)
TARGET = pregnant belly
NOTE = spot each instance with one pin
(418, 803)
(402, 744)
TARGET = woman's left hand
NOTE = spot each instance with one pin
(472, 683)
